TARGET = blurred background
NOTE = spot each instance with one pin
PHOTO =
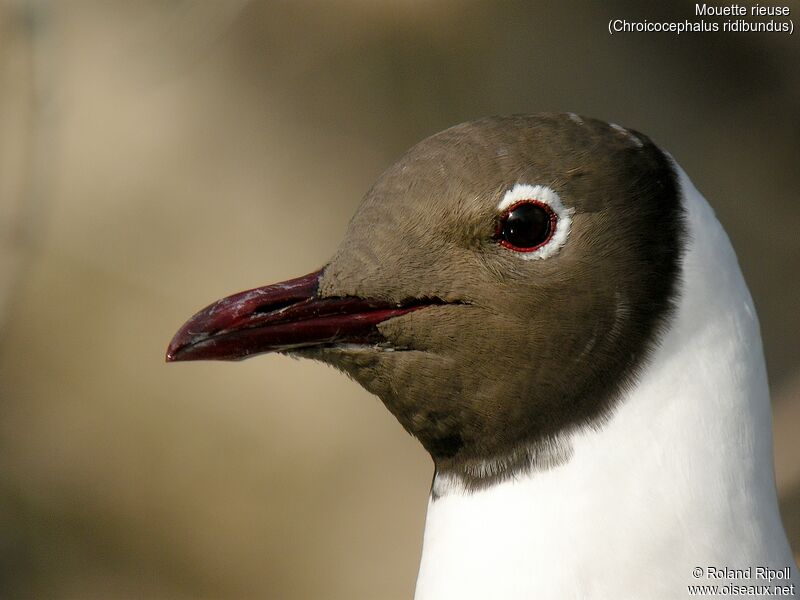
(157, 155)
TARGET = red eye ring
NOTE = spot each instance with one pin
(544, 220)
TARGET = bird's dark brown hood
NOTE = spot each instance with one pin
(501, 351)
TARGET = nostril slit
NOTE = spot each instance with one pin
(273, 307)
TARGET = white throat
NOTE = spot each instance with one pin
(680, 477)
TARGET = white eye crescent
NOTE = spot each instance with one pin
(533, 221)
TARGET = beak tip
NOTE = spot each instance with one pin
(175, 349)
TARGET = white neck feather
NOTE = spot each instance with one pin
(680, 477)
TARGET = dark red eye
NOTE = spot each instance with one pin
(526, 226)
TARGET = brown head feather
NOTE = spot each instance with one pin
(529, 349)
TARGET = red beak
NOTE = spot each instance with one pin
(280, 317)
